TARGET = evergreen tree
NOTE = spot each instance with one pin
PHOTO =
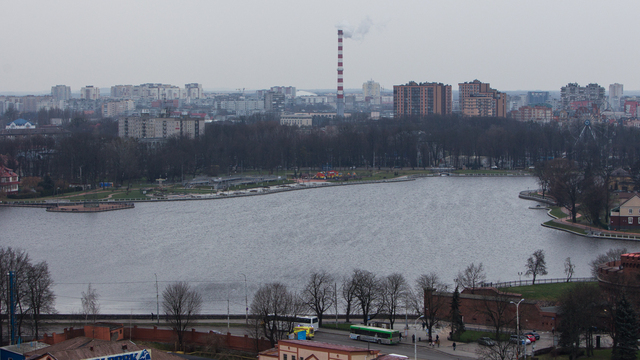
(625, 340)
(457, 326)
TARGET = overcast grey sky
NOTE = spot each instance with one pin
(258, 44)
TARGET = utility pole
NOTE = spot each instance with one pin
(12, 305)
(157, 301)
(246, 300)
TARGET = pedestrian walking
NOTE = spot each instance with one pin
(438, 342)
(413, 338)
(454, 346)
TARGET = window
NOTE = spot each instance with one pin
(284, 356)
(629, 221)
(630, 211)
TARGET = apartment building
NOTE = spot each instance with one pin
(90, 92)
(479, 99)
(573, 92)
(422, 99)
(145, 127)
(61, 92)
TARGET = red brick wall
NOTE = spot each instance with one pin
(472, 307)
(228, 341)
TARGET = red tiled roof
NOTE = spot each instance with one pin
(327, 346)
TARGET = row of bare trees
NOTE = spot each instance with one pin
(97, 155)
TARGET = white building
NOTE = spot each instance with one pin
(371, 89)
(616, 92)
(145, 127)
(90, 93)
(20, 124)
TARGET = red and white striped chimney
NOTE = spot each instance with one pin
(340, 98)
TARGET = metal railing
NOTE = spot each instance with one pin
(538, 281)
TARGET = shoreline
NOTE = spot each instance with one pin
(248, 192)
(589, 231)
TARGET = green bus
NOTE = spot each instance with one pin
(374, 334)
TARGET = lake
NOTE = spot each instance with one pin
(439, 224)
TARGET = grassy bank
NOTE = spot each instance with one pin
(543, 292)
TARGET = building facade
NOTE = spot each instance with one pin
(415, 99)
(537, 97)
(627, 215)
(193, 91)
(61, 92)
(9, 181)
(371, 89)
(90, 92)
(313, 350)
(274, 102)
(479, 99)
(573, 92)
(616, 91)
(297, 119)
(535, 113)
(145, 127)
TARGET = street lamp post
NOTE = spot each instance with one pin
(415, 340)
(518, 323)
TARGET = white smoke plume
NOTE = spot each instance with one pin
(349, 32)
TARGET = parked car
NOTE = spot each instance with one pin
(534, 333)
(531, 338)
(486, 341)
(515, 339)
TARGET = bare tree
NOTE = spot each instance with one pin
(348, 295)
(471, 277)
(569, 268)
(610, 255)
(536, 265)
(319, 294)
(367, 292)
(394, 293)
(180, 303)
(40, 296)
(496, 310)
(502, 350)
(90, 304)
(429, 288)
(274, 308)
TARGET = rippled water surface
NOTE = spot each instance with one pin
(433, 224)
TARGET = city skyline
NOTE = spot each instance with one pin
(541, 45)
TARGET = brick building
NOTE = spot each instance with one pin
(622, 276)
(422, 99)
(9, 181)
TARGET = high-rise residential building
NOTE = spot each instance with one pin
(538, 113)
(274, 102)
(90, 92)
(371, 89)
(61, 92)
(122, 92)
(193, 91)
(288, 91)
(573, 92)
(422, 99)
(479, 99)
(537, 97)
(616, 91)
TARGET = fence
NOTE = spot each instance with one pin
(538, 281)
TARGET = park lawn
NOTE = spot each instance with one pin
(545, 292)
(556, 211)
(551, 223)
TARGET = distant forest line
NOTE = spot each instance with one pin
(94, 152)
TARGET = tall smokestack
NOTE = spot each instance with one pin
(340, 98)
